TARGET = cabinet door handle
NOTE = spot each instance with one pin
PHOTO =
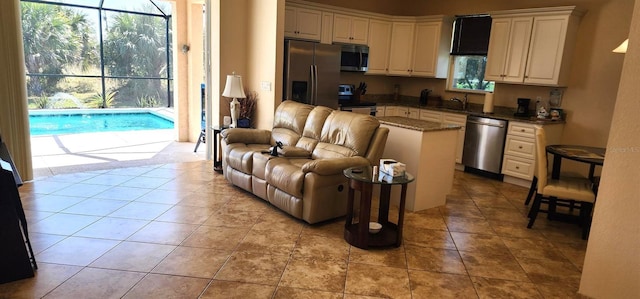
(520, 147)
(517, 167)
(522, 130)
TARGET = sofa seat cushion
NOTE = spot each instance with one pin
(240, 155)
(286, 174)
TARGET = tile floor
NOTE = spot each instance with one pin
(181, 231)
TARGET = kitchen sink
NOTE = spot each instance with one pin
(452, 105)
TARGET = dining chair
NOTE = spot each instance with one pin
(571, 191)
(534, 183)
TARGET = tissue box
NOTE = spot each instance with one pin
(392, 167)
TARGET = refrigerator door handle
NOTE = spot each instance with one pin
(315, 84)
(312, 91)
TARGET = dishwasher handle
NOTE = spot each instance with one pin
(484, 124)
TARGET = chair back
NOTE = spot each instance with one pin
(541, 157)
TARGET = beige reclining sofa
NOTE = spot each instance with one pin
(318, 143)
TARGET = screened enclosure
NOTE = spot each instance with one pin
(97, 53)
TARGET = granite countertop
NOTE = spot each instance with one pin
(503, 113)
(416, 124)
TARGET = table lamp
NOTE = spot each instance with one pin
(233, 89)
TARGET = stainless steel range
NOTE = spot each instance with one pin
(348, 102)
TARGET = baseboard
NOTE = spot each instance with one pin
(517, 181)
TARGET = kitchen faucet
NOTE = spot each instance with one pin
(463, 102)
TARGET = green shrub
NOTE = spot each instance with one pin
(147, 102)
(42, 102)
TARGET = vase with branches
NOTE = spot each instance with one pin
(247, 109)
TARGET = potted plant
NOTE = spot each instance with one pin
(247, 108)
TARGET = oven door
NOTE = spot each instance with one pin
(371, 110)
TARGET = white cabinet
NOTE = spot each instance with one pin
(350, 29)
(401, 48)
(302, 23)
(379, 41)
(380, 111)
(414, 113)
(431, 49)
(326, 35)
(508, 49)
(402, 111)
(430, 115)
(520, 148)
(396, 111)
(532, 46)
(548, 61)
(420, 48)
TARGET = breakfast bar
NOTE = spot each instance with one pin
(428, 150)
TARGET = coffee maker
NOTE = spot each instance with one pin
(523, 107)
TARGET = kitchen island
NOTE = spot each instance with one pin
(428, 150)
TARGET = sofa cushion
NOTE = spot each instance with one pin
(313, 128)
(286, 174)
(345, 134)
(288, 122)
(293, 152)
(240, 156)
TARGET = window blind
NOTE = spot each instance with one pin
(471, 35)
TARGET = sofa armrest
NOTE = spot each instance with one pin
(333, 166)
(247, 136)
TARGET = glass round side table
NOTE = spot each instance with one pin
(357, 232)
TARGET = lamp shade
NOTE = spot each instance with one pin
(233, 88)
(622, 48)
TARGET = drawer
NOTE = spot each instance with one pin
(454, 118)
(522, 129)
(520, 147)
(518, 167)
(429, 115)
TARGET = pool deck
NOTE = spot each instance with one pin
(57, 154)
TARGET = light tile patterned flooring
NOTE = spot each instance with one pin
(181, 231)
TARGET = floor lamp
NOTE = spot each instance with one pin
(233, 89)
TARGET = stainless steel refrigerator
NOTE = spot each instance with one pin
(312, 73)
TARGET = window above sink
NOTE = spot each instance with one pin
(468, 58)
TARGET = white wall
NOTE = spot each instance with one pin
(612, 263)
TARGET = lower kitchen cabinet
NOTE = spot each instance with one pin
(518, 164)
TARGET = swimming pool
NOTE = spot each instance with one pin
(63, 122)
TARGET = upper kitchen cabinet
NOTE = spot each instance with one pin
(302, 23)
(420, 48)
(508, 49)
(350, 29)
(532, 46)
(431, 49)
(379, 40)
(401, 48)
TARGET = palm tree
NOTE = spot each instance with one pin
(136, 46)
(55, 38)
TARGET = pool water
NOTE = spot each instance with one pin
(56, 124)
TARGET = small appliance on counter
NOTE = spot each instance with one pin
(523, 107)
(424, 96)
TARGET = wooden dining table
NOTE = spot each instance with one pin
(594, 156)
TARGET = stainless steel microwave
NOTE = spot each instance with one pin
(354, 58)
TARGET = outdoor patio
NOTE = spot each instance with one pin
(58, 154)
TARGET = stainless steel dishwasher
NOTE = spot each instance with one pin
(484, 143)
